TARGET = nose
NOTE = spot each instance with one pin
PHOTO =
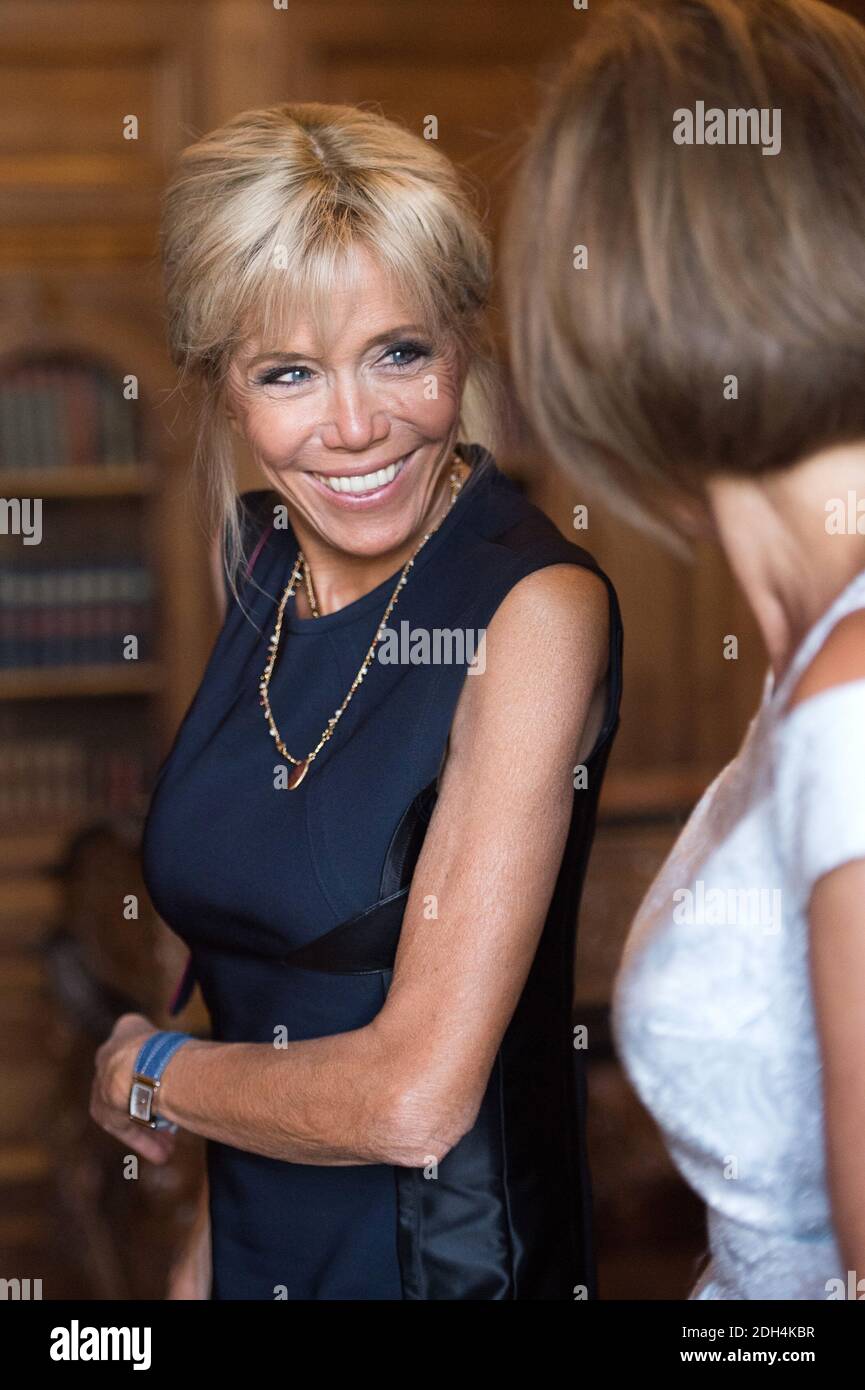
(357, 420)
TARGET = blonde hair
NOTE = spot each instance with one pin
(703, 259)
(261, 215)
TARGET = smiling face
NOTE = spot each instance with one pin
(350, 430)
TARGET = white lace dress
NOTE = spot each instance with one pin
(713, 1013)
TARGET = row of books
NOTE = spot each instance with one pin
(76, 615)
(56, 416)
(57, 779)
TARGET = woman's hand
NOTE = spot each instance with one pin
(191, 1272)
(109, 1098)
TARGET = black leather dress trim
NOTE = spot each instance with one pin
(366, 943)
(406, 842)
(469, 1186)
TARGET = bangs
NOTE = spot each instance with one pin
(295, 280)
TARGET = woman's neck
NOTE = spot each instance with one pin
(790, 542)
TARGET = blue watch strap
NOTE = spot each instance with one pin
(153, 1057)
(156, 1053)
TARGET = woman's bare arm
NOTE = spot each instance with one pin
(837, 919)
(409, 1084)
(837, 954)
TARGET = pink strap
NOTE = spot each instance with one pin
(254, 556)
(180, 986)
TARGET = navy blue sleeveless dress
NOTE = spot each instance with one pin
(291, 904)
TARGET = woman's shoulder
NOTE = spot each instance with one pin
(824, 718)
(569, 602)
(544, 654)
(542, 596)
(818, 760)
(839, 662)
(823, 722)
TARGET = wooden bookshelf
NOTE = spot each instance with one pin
(35, 849)
(81, 728)
(71, 602)
(85, 480)
(59, 682)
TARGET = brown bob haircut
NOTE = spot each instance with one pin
(703, 260)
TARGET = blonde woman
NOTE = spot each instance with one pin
(375, 861)
(740, 1007)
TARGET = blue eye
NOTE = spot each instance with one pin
(277, 376)
(410, 351)
(402, 356)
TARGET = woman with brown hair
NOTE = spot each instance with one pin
(701, 359)
(375, 862)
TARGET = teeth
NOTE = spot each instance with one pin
(367, 482)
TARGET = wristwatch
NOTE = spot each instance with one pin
(153, 1058)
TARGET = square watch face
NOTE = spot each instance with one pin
(140, 1101)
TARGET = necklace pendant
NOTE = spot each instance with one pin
(298, 775)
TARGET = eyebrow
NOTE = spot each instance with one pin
(400, 331)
